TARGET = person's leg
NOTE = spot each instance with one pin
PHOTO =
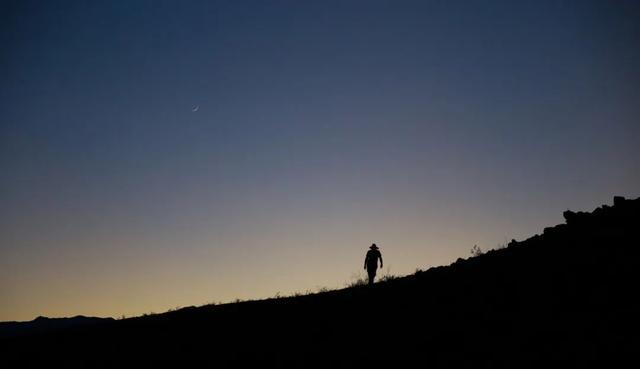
(372, 276)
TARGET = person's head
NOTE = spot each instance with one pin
(373, 246)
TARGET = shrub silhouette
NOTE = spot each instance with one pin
(476, 251)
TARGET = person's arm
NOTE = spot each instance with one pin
(365, 261)
(380, 256)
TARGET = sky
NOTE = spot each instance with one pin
(157, 154)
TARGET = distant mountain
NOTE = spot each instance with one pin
(565, 298)
(43, 324)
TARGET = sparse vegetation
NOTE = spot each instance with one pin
(476, 251)
(387, 278)
(386, 275)
(357, 280)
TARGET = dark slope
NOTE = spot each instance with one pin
(566, 297)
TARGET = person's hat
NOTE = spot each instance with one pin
(373, 246)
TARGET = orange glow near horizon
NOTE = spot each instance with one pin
(97, 281)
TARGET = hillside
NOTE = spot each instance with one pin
(564, 297)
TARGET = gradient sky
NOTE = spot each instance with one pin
(426, 127)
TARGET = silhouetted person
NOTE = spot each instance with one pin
(371, 262)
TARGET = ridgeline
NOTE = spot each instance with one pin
(566, 297)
